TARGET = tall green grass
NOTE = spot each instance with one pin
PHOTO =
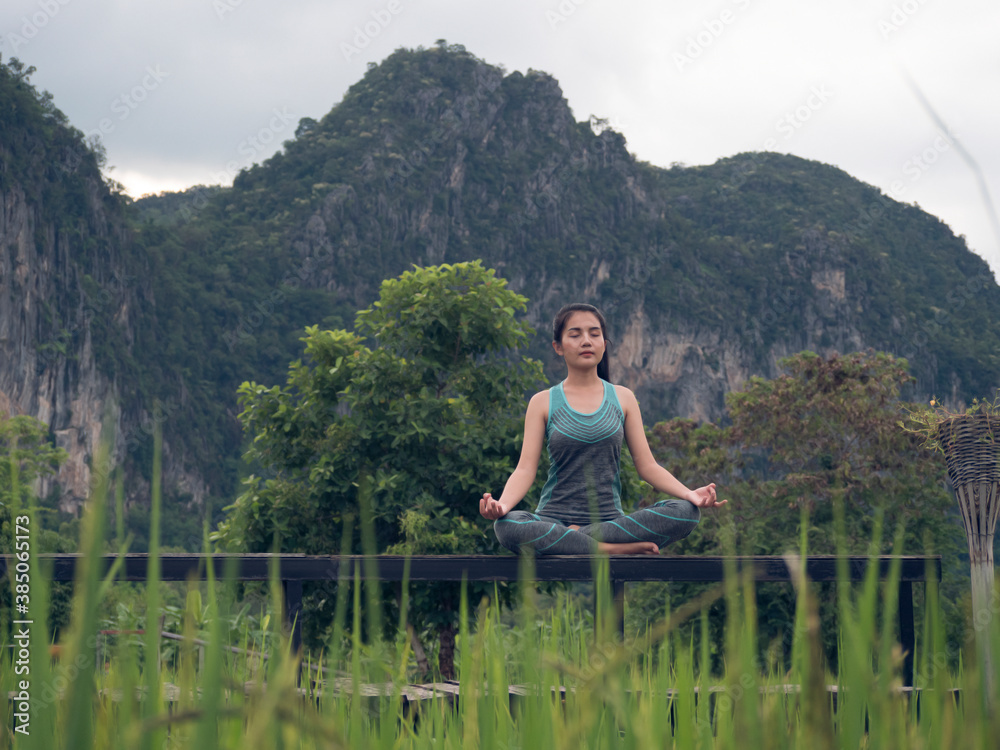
(542, 683)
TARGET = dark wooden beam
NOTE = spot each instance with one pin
(180, 567)
(907, 636)
(292, 570)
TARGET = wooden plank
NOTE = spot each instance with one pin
(907, 636)
(180, 567)
(293, 570)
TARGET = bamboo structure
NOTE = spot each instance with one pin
(971, 449)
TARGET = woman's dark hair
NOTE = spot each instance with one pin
(560, 323)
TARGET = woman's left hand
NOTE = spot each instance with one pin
(705, 497)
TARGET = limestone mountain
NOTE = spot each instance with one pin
(708, 275)
(73, 282)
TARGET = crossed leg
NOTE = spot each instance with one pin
(642, 532)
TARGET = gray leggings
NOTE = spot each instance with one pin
(666, 521)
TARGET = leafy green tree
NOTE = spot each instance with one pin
(828, 427)
(26, 454)
(825, 431)
(422, 403)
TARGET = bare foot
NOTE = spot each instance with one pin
(632, 548)
(574, 527)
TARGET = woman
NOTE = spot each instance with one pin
(584, 419)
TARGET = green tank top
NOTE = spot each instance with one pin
(584, 481)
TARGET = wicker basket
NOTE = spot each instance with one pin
(971, 449)
(971, 444)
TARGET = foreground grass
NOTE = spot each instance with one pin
(574, 688)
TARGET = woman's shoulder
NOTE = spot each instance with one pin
(625, 396)
(542, 397)
(539, 404)
(540, 400)
(623, 391)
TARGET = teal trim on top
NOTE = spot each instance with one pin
(610, 395)
(590, 427)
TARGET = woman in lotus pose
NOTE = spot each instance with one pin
(584, 419)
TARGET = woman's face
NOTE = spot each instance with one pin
(582, 341)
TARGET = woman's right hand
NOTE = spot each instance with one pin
(490, 508)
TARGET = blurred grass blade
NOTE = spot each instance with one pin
(151, 704)
(79, 728)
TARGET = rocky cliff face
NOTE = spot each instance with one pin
(686, 371)
(68, 299)
(581, 221)
(47, 362)
(73, 288)
(707, 275)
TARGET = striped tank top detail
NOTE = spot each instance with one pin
(584, 482)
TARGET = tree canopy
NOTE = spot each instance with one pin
(26, 454)
(422, 401)
(823, 433)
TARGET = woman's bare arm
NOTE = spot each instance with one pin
(527, 466)
(646, 465)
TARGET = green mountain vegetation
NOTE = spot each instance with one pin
(75, 212)
(435, 156)
(776, 222)
(379, 449)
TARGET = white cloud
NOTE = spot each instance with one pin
(759, 60)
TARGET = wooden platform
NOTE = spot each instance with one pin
(293, 570)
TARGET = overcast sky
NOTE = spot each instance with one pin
(179, 89)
